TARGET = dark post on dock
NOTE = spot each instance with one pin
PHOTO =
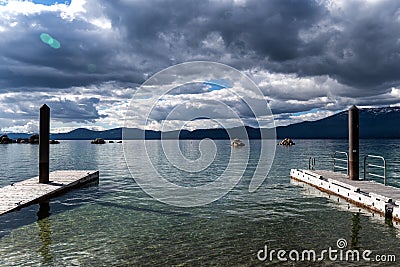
(44, 132)
(353, 143)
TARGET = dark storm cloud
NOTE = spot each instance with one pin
(360, 48)
(269, 28)
(82, 110)
(86, 56)
(358, 44)
(355, 45)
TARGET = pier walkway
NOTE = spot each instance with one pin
(369, 194)
(24, 193)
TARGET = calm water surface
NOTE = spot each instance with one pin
(117, 224)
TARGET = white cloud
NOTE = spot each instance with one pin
(213, 41)
(29, 127)
(286, 119)
(102, 23)
(395, 92)
(62, 128)
(292, 86)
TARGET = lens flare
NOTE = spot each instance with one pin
(91, 67)
(55, 44)
(47, 39)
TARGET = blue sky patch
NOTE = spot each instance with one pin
(42, 2)
(51, 2)
(217, 84)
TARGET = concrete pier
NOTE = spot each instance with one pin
(25, 193)
(372, 195)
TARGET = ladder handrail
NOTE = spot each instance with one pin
(311, 163)
(343, 160)
(375, 166)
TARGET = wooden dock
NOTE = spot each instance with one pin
(27, 192)
(368, 194)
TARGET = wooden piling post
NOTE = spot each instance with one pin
(44, 132)
(353, 170)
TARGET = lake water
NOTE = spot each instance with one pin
(116, 224)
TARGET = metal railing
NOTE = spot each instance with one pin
(335, 160)
(375, 166)
(311, 163)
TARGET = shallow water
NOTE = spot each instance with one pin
(117, 224)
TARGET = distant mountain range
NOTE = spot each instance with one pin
(374, 123)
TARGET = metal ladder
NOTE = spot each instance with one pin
(311, 163)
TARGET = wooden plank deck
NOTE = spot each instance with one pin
(24, 193)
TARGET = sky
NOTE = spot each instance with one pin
(87, 58)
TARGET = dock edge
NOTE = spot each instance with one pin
(369, 200)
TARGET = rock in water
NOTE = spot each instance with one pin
(286, 142)
(34, 139)
(5, 140)
(98, 141)
(237, 143)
